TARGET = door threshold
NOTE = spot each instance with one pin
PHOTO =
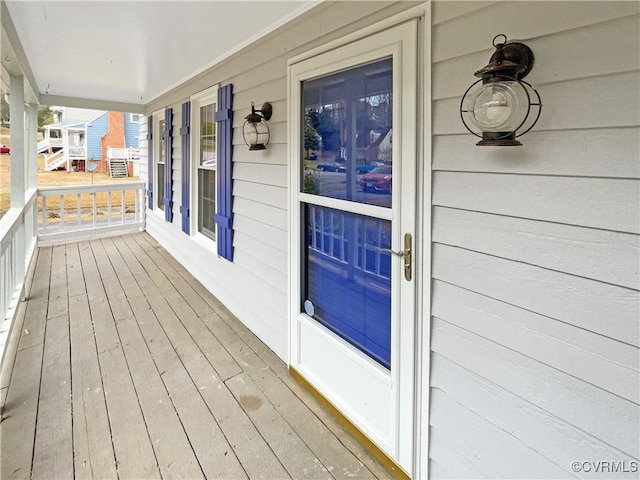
(385, 460)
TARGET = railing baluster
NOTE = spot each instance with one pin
(44, 214)
(94, 209)
(61, 210)
(78, 208)
(108, 208)
(135, 207)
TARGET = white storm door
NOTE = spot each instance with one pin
(353, 120)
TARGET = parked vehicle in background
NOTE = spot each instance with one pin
(367, 168)
(331, 167)
(378, 180)
(5, 149)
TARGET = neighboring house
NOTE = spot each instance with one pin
(509, 348)
(79, 135)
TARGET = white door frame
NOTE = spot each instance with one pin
(413, 458)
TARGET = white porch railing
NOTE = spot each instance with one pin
(55, 160)
(77, 152)
(17, 244)
(123, 153)
(72, 212)
(48, 143)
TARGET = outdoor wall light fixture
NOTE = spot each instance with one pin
(255, 130)
(503, 104)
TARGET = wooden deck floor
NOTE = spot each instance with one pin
(121, 365)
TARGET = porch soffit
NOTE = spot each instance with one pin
(129, 53)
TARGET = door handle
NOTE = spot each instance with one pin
(406, 254)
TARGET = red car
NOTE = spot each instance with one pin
(377, 180)
(5, 149)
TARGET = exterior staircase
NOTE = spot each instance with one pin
(55, 160)
(118, 168)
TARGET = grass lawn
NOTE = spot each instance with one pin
(60, 178)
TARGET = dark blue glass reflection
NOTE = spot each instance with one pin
(348, 277)
(347, 133)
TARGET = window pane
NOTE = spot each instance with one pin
(348, 278)
(347, 133)
(207, 136)
(207, 202)
(160, 167)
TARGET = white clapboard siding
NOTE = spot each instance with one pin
(449, 452)
(446, 11)
(606, 152)
(275, 175)
(274, 276)
(613, 100)
(496, 446)
(275, 154)
(268, 194)
(270, 256)
(144, 149)
(535, 256)
(610, 204)
(611, 257)
(274, 92)
(477, 30)
(260, 212)
(561, 443)
(601, 361)
(437, 471)
(586, 53)
(597, 307)
(269, 235)
(598, 413)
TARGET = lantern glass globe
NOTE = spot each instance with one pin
(499, 106)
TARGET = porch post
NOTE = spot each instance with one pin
(16, 111)
(18, 166)
(32, 147)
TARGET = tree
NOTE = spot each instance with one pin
(45, 116)
(311, 137)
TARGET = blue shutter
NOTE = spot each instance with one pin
(168, 167)
(150, 171)
(224, 217)
(186, 170)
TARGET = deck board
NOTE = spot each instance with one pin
(53, 451)
(131, 369)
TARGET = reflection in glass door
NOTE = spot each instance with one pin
(348, 125)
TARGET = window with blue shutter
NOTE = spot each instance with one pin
(168, 167)
(186, 168)
(150, 161)
(224, 217)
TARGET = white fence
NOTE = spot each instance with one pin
(72, 212)
(17, 244)
(123, 153)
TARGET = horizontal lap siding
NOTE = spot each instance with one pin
(536, 249)
(254, 286)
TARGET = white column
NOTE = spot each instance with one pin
(16, 109)
(18, 162)
(32, 143)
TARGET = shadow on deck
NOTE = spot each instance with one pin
(121, 365)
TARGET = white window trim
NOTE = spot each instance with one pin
(132, 120)
(158, 116)
(205, 97)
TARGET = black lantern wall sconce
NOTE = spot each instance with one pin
(255, 130)
(503, 107)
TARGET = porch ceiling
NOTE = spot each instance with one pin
(131, 52)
